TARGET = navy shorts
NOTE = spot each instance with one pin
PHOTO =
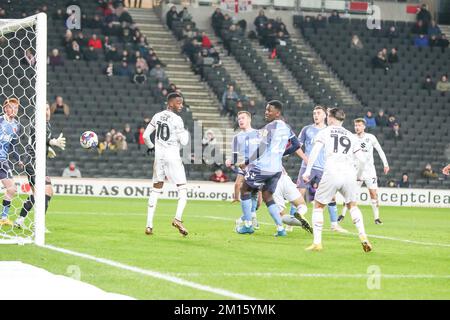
(316, 175)
(5, 170)
(255, 180)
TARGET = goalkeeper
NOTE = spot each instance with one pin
(29, 166)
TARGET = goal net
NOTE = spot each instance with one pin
(23, 74)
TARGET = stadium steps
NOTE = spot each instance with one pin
(197, 93)
(235, 70)
(320, 66)
(283, 75)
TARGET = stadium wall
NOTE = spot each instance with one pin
(197, 190)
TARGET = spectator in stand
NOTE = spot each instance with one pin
(395, 134)
(269, 37)
(381, 119)
(55, 59)
(171, 15)
(142, 64)
(74, 52)
(391, 33)
(59, 107)
(443, 42)
(153, 61)
(428, 172)
(90, 54)
(126, 57)
(320, 22)
(393, 56)
(419, 28)
(95, 22)
(158, 73)
(433, 29)
(110, 30)
(260, 21)
(227, 22)
(139, 76)
(172, 88)
(392, 120)
(29, 58)
(124, 70)
(356, 43)
(424, 15)
(209, 139)
(107, 44)
(206, 42)
(95, 42)
(109, 71)
(251, 107)
(334, 18)
(184, 15)
(428, 84)
(112, 55)
(218, 176)
(107, 144)
(81, 39)
(443, 85)
(68, 39)
(120, 142)
(124, 15)
(71, 171)
(370, 121)
(217, 19)
(380, 62)
(404, 182)
(126, 37)
(128, 134)
(421, 41)
(229, 99)
(433, 41)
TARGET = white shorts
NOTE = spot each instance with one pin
(368, 177)
(286, 190)
(172, 169)
(342, 182)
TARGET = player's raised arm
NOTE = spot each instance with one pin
(381, 153)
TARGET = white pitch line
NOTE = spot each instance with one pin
(154, 274)
(311, 275)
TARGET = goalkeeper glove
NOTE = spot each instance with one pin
(51, 153)
(59, 142)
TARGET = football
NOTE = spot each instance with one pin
(89, 140)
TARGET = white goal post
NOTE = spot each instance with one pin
(25, 78)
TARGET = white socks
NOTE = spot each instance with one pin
(302, 209)
(152, 201)
(344, 210)
(375, 209)
(358, 221)
(317, 221)
(182, 200)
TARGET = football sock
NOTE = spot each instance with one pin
(246, 205)
(302, 209)
(6, 206)
(375, 209)
(344, 210)
(274, 211)
(47, 201)
(254, 204)
(317, 221)
(332, 210)
(182, 200)
(293, 210)
(358, 220)
(152, 201)
(27, 205)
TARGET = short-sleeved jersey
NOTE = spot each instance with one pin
(367, 143)
(339, 146)
(306, 138)
(274, 138)
(168, 126)
(9, 138)
(244, 145)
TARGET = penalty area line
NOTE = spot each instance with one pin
(154, 274)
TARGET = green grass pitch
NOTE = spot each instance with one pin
(259, 265)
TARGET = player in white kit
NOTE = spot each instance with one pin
(340, 175)
(169, 136)
(368, 175)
